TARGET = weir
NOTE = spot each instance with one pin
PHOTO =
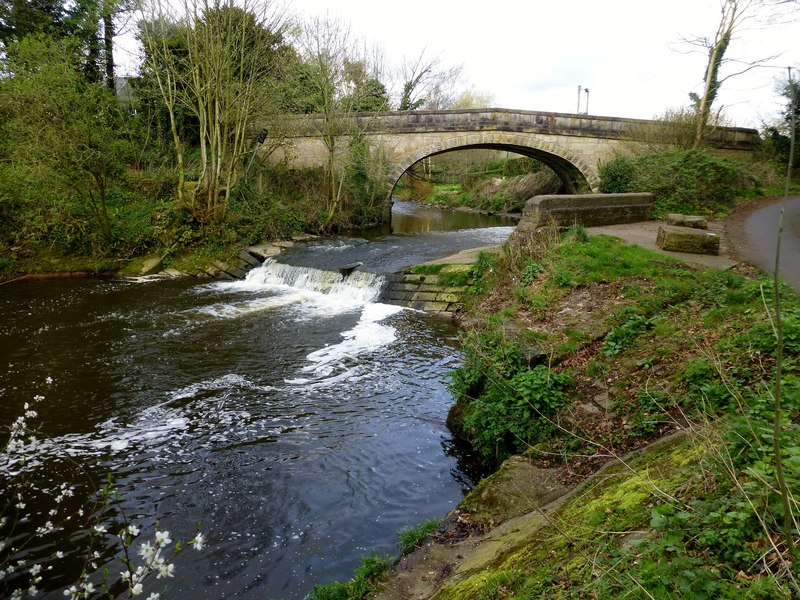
(292, 410)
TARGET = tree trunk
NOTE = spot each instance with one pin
(108, 42)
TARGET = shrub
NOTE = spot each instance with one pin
(617, 176)
(508, 403)
(684, 181)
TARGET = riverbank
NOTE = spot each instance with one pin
(590, 503)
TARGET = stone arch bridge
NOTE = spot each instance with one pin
(572, 145)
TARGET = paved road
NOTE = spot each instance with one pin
(760, 232)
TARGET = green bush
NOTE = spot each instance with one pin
(508, 404)
(360, 587)
(617, 176)
(619, 338)
(682, 181)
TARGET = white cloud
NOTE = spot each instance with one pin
(532, 54)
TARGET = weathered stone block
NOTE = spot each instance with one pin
(413, 278)
(452, 298)
(424, 296)
(687, 239)
(264, 251)
(236, 272)
(429, 306)
(693, 221)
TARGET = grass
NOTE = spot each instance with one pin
(670, 347)
(412, 536)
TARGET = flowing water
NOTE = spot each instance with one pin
(295, 417)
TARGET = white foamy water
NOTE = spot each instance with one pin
(333, 364)
(317, 293)
(161, 427)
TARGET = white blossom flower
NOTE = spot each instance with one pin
(133, 530)
(137, 589)
(147, 551)
(35, 569)
(48, 380)
(59, 554)
(154, 596)
(99, 529)
(162, 538)
(165, 570)
(198, 541)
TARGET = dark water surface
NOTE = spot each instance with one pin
(299, 421)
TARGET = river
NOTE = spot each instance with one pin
(301, 423)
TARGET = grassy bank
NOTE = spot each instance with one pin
(585, 349)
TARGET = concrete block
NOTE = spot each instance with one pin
(451, 298)
(424, 296)
(151, 266)
(687, 239)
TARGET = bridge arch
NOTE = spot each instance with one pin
(575, 175)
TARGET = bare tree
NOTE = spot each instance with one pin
(474, 99)
(343, 80)
(218, 74)
(734, 15)
(427, 83)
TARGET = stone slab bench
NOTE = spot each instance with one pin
(687, 239)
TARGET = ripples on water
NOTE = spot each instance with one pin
(298, 420)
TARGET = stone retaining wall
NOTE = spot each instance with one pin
(589, 210)
(425, 292)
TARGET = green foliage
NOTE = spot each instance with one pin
(529, 272)
(619, 338)
(411, 537)
(508, 403)
(617, 176)
(427, 269)
(682, 181)
(360, 587)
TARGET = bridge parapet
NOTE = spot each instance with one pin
(572, 145)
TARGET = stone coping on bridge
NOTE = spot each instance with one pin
(505, 119)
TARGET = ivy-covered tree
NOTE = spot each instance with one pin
(427, 83)
(20, 18)
(342, 82)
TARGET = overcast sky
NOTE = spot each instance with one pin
(533, 54)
